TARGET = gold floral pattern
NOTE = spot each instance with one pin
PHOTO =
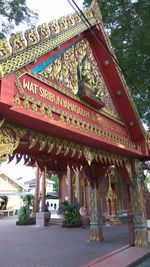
(75, 64)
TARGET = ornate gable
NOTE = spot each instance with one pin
(71, 67)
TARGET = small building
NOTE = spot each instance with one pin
(30, 186)
(52, 201)
(11, 193)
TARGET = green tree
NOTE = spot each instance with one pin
(28, 201)
(25, 212)
(70, 212)
(55, 179)
(147, 182)
(127, 23)
(13, 12)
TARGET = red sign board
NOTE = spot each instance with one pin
(36, 89)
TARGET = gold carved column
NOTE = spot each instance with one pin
(139, 214)
(111, 198)
(95, 213)
(78, 185)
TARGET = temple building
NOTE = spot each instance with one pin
(66, 107)
(11, 193)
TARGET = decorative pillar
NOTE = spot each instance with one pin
(139, 214)
(44, 173)
(78, 185)
(130, 218)
(73, 187)
(96, 229)
(60, 176)
(37, 189)
(84, 194)
(69, 183)
(111, 198)
(63, 186)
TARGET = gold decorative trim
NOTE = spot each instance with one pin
(46, 110)
(40, 41)
(77, 71)
(9, 139)
(61, 89)
(43, 109)
(49, 143)
(82, 124)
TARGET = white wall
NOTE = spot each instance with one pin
(53, 204)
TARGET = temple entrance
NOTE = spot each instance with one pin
(85, 177)
(65, 107)
(100, 182)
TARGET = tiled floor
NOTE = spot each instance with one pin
(120, 258)
(54, 246)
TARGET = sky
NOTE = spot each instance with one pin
(15, 171)
(51, 9)
(47, 10)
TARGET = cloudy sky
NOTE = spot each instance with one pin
(49, 10)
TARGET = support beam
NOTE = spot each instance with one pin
(37, 189)
(140, 224)
(112, 199)
(69, 184)
(78, 185)
(44, 173)
(84, 194)
(96, 229)
(130, 218)
(63, 186)
(60, 176)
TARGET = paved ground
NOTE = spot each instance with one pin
(54, 246)
(127, 256)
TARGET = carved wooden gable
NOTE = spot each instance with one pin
(74, 65)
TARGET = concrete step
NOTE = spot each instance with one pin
(56, 220)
